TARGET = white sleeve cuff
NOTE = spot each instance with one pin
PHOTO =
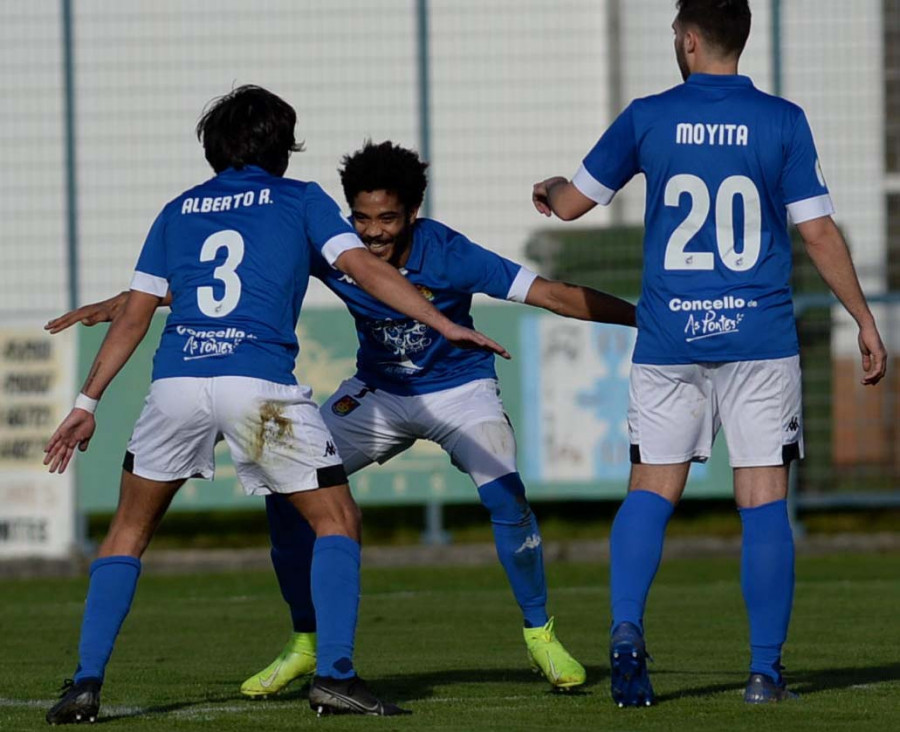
(339, 244)
(810, 208)
(151, 284)
(520, 286)
(592, 188)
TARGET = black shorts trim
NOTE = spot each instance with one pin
(128, 462)
(332, 475)
(635, 454)
(790, 453)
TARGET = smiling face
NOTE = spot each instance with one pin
(384, 225)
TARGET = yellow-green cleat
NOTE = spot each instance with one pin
(296, 660)
(548, 657)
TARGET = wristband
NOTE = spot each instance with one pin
(84, 402)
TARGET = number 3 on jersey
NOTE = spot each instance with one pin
(233, 243)
(736, 185)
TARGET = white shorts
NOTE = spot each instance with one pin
(675, 412)
(467, 421)
(278, 441)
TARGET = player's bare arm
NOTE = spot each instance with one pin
(124, 335)
(560, 196)
(104, 311)
(383, 281)
(583, 303)
(829, 253)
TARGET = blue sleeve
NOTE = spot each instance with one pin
(152, 259)
(151, 272)
(612, 162)
(802, 176)
(326, 229)
(470, 268)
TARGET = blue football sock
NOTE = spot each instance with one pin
(767, 582)
(518, 542)
(335, 591)
(635, 546)
(292, 550)
(110, 592)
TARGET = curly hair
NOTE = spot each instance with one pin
(724, 23)
(248, 126)
(385, 166)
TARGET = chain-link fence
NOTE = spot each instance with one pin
(497, 95)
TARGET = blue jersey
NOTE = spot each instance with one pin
(235, 252)
(725, 164)
(405, 357)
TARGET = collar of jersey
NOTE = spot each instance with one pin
(246, 170)
(417, 250)
(719, 80)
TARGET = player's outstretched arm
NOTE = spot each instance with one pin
(829, 253)
(104, 311)
(384, 282)
(576, 301)
(560, 196)
(126, 331)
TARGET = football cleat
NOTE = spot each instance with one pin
(763, 689)
(79, 703)
(348, 696)
(629, 680)
(548, 657)
(298, 659)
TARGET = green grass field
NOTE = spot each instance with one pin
(445, 642)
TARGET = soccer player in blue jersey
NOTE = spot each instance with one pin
(235, 252)
(725, 166)
(411, 384)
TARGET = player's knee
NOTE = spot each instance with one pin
(504, 498)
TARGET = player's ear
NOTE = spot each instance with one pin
(690, 40)
(412, 215)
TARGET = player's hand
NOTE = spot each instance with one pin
(75, 430)
(539, 195)
(97, 312)
(463, 337)
(874, 355)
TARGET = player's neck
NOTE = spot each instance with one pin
(718, 66)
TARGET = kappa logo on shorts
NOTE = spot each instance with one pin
(329, 449)
(343, 406)
(793, 425)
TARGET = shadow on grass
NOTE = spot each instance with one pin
(399, 689)
(413, 687)
(802, 682)
(416, 687)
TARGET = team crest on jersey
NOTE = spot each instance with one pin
(426, 293)
(343, 406)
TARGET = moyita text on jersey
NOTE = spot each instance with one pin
(208, 204)
(704, 133)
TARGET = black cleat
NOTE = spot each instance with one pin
(629, 681)
(79, 703)
(348, 696)
(763, 689)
